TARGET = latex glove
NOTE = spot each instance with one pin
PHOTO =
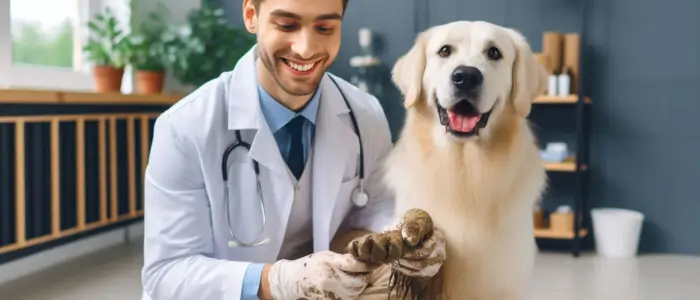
(425, 261)
(323, 275)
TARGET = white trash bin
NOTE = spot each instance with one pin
(617, 231)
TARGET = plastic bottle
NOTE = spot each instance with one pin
(553, 82)
(564, 83)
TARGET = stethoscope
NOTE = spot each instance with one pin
(359, 196)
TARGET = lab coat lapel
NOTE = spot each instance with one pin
(245, 114)
(335, 141)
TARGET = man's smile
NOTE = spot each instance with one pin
(301, 68)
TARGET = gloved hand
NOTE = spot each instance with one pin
(425, 261)
(323, 275)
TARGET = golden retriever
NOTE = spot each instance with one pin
(467, 155)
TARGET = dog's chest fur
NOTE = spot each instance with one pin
(483, 202)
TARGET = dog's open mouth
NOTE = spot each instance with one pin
(463, 119)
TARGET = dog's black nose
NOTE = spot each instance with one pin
(467, 79)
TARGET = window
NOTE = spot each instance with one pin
(44, 37)
(41, 45)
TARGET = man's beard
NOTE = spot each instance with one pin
(270, 63)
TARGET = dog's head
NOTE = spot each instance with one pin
(470, 75)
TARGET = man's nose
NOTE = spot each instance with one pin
(304, 46)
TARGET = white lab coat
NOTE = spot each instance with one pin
(186, 233)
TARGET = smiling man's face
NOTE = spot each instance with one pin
(297, 41)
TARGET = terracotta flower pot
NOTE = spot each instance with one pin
(149, 82)
(108, 79)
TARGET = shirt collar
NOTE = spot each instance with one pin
(277, 115)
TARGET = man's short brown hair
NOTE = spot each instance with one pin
(256, 4)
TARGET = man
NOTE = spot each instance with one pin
(305, 151)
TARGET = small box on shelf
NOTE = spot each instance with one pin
(568, 165)
(560, 225)
(567, 99)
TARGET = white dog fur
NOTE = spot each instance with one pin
(479, 190)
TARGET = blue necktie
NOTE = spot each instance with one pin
(295, 159)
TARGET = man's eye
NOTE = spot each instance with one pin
(324, 29)
(286, 27)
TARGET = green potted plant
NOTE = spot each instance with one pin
(108, 48)
(154, 51)
(207, 46)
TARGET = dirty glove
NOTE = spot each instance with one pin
(323, 275)
(425, 261)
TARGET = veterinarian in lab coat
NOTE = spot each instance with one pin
(309, 175)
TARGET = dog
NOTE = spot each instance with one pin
(467, 155)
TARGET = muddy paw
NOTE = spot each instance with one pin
(416, 225)
(377, 248)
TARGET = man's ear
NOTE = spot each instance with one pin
(529, 77)
(249, 16)
(407, 73)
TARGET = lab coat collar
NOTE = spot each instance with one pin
(243, 105)
(244, 114)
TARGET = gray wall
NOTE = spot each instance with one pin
(643, 74)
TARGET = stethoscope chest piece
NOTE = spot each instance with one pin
(360, 198)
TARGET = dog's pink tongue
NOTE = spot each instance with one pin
(462, 123)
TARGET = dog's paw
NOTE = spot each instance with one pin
(416, 225)
(377, 248)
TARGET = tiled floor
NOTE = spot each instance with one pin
(115, 275)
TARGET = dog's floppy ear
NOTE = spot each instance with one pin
(529, 77)
(407, 73)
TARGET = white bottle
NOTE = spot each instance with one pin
(564, 83)
(552, 85)
(365, 39)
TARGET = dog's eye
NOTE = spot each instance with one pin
(445, 51)
(494, 54)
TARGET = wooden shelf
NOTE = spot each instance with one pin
(570, 99)
(547, 233)
(23, 96)
(568, 165)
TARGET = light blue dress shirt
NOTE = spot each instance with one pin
(277, 116)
